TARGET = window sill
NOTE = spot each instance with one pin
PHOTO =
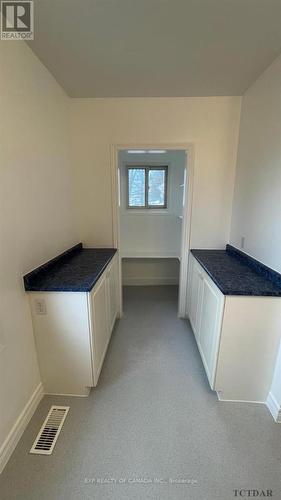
(148, 211)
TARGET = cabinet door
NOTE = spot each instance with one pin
(196, 287)
(112, 283)
(210, 327)
(99, 326)
(189, 281)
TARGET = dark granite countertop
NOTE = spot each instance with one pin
(76, 270)
(235, 273)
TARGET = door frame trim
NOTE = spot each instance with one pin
(187, 212)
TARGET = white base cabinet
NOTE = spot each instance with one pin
(103, 305)
(205, 307)
(237, 337)
(72, 331)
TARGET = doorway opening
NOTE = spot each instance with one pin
(152, 193)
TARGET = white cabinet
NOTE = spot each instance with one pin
(195, 296)
(205, 307)
(112, 293)
(62, 340)
(103, 312)
(210, 327)
(100, 326)
(72, 331)
(237, 337)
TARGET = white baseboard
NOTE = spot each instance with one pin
(238, 400)
(149, 281)
(274, 407)
(271, 404)
(19, 427)
(64, 395)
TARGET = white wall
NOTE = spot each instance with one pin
(210, 123)
(257, 200)
(36, 210)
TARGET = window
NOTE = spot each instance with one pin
(147, 187)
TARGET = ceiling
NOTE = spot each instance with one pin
(150, 48)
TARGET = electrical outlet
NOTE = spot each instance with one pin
(243, 242)
(40, 306)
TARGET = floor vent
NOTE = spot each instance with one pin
(49, 432)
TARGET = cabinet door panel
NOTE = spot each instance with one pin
(100, 326)
(210, 326)
(195, 298)
(112, 294)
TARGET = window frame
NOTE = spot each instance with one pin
(147, 169)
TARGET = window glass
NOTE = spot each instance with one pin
(147, 187)
(136, 187)
(156, 187)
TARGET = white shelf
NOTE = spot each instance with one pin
(149, 256)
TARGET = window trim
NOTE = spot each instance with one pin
(147, 168)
